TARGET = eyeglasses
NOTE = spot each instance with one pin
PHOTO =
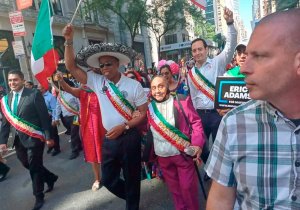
(102, 65)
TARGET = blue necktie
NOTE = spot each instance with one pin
(15, 104)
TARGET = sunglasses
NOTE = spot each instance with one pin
(132, 77)
(102, 65)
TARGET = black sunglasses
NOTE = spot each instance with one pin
(101, 65)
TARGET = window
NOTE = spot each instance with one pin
(55, 5)
(171, 39)
(185, 37)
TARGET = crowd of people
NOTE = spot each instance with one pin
(254, 161)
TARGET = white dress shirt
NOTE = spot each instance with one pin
(162, 147)
(13, 98)
(213, 68)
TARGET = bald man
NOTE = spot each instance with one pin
(256, 155)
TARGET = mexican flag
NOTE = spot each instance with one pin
(44, 58)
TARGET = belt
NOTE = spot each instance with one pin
(206, 110)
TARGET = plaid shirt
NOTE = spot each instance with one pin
(257, 150)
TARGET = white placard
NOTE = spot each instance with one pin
(18, 48)
(17, 23)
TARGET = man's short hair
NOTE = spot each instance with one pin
(199, 39)
(18, 72)
(29, 83)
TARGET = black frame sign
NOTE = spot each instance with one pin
(230, 92)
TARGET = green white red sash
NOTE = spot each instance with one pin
(165, 129)
(20, 124)
(86, 88)
(68, 106)
(202, 84)
(120, 103)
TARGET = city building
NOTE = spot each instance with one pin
(89, 28)
(261, 8)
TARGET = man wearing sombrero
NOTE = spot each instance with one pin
(118, 96)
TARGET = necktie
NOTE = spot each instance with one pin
(15, 104)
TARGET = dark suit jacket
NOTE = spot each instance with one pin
(31, 108)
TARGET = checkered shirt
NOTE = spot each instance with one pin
(257, 150)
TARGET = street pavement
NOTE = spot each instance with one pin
(73, 191)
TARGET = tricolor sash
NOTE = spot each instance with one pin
(86, 89)
(68, 106)
(20, 124)
(202, 84)
(165, 129)
(120, 103)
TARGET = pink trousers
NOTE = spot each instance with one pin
(181, 178)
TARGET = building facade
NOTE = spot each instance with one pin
(88, 28)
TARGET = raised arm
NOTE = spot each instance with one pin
(73, 91)
(77, 72)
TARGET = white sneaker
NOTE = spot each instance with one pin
(96, 186)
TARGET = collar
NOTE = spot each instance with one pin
(208, 61)
(19, 92)
(275, 112)
(46, 93)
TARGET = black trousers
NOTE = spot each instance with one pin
(75, 137)
(32, 159)
(123, 153)
(210, 122)
(3, 168)
(54, 135)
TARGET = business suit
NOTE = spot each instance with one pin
(29, 150)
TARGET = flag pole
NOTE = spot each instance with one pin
(75, 11)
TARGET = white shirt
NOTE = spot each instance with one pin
(213, 68)
(13, 98)
(73, 101)
(162, 147)
(131, 90)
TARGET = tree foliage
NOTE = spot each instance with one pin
(202, 28)
(132, 13)
(166, 16)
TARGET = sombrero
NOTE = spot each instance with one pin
(89, 56)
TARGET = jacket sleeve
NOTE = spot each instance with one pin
(197, 137)
(5, 129)
(42, 111)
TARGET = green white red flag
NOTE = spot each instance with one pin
(44, 58)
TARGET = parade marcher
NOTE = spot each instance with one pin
(29, 84)
(25, 115)
(178, 87)
(68, 106)
(119, 96)
(240, 58)
(51, 101)
(202, 79)
(136, 76)
(91, 128)
(255, 158)
(176, 126)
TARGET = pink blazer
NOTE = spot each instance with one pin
(197, 137)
